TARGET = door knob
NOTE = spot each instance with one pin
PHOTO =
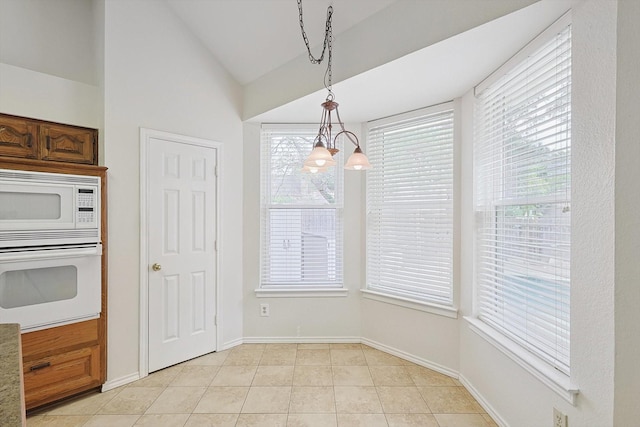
(156, 267)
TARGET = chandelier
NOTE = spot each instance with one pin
(324, 144)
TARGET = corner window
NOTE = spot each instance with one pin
(410, 206)
(522, 157)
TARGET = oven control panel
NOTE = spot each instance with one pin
(86, 206)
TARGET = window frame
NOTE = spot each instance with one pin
(298, 288)
(558, 381)
(425, 304)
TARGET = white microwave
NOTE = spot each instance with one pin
(39, 209)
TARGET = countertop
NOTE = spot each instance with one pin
(12, 412)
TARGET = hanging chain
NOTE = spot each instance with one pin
(327, 45)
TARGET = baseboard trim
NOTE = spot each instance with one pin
(230, 344)
(118, 382)
(411, 358)
(482, 401)
(302, 340)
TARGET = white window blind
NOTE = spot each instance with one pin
(301, 218)
(523, 192)
(410, 206)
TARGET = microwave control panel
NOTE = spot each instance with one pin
(86, 206)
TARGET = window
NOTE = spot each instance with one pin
(410, 206)
(523, 194)
(301, 214)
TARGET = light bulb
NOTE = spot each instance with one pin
(320, 157)
(313, 170)
(357, 161)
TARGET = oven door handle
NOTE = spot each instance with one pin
(33, 255)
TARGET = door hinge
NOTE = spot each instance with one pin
(215, 320)
(215, 245)
(215, 171)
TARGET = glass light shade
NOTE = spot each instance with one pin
(319, 157)
(357, 161)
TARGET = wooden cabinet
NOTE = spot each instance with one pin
(59, 362)
(36, 139)
(65, 360)
(18, 137)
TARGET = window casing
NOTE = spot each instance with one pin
(410, 206)
(522, 165)
(301, 214)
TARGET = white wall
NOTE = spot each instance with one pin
(319, 319)
(35, 94)
(47, 65)
(52, 37)
(158, 76)
(516, 396)
(627, 177)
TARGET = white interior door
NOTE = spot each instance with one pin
(181, 220)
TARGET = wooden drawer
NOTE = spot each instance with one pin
(60, 339)
(61, 375)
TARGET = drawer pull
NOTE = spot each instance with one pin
(48, 142)
(40, 366)
(29, 141)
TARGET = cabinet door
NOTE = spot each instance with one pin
(18, 138)
(68, 144)
(60, 375)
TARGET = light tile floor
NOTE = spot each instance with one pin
(268, 385)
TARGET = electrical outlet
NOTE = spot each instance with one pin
(559, 419)
(264, 310)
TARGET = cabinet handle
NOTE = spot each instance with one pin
(40, 366)
(48, 142)
(29, 140)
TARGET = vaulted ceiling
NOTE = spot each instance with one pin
(389, 55)
(254, 37)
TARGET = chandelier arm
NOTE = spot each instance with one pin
(346, 132)
(322, 131)
(350, 136)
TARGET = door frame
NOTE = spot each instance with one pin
(145, 143)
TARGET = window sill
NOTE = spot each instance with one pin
(441, 310)
(302, 293)
(555, 380)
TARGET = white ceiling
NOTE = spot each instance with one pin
(254, 37)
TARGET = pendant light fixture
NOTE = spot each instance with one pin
(324, 144)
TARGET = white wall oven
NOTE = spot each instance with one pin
(50, 248)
